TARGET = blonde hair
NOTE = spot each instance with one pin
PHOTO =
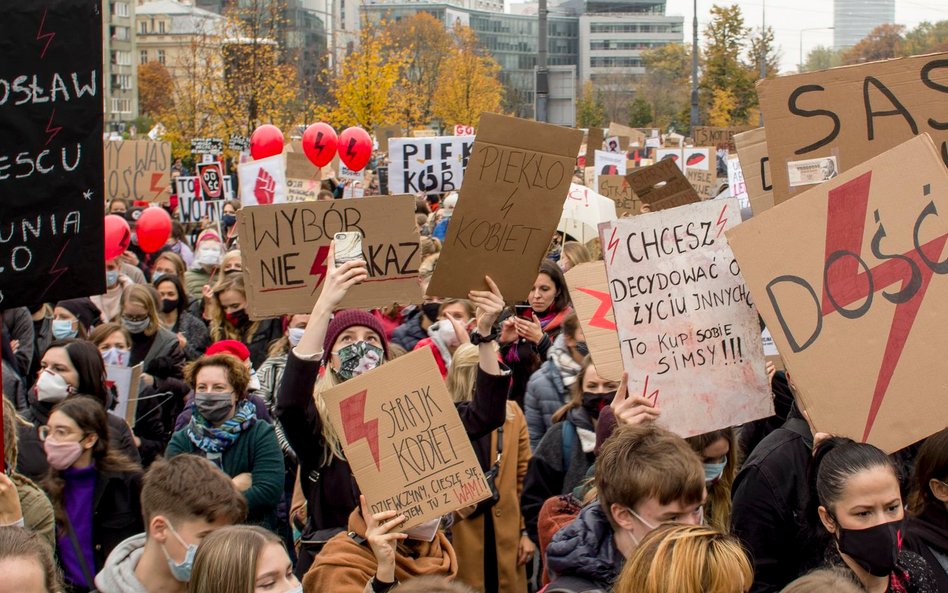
(332, 446)
(687, 559)
(226, 561)
(462, 375)
(231, 256)
(824, 579)
(719, 493)
(143, 296)
(576, 253)
(179, 266)
(220, 328)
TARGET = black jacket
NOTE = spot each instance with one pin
(769, 504)
(409, 333)
(330, 488)
(586, 549)
(927, 534)
(118, 512)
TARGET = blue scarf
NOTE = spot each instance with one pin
(215, 441)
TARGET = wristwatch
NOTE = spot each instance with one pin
(478, 338)
(381, 587)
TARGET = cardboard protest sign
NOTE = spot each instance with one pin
(615, 144)
(635, 137)
(300, 167)
(718, 137)
(137, 170)
(703, 181)
(508, 208)
(617, 189)
(609, 163)
(583, 210)
(125, 380)
(852, 113)
(51, 161)
(670, 154)
(463, 130)
(263, 181)
(698, 157)
(755, 166)
(429, 165)
(662, 186)
(285, 246)
(239, 143)
(385, 133)
(594, 140)
(404, 440)
(211, 176)
(589, 292)
(688, 330)
(850, 279)
(770, 350)
(192, 205)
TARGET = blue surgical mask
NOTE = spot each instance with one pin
(295, 334)
(714, 471)
(156, 276)
(180, 571)
(111, 277)
(62, 329)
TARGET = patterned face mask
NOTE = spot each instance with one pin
(358, 358)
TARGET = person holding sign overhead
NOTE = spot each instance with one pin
(349, 345)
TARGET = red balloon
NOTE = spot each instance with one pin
(153, 229)
(117, 236)
(267, 140)
(355, 148)
(319, 144)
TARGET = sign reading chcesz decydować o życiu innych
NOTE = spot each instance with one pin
(51, 163)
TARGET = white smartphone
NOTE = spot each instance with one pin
(348, 247)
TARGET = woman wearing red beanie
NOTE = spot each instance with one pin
(352, 343)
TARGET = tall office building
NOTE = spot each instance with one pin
(854, 19)
(120, 74)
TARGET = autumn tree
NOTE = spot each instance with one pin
(427, 45)
(469, 83)
(365, 87)
(640, 113)
(615, 92)
(926, 38)
(882, 43)
(821, 58)
(724, 68)
(763, 48)
(155, 88)
(589, 110)
(666, 85)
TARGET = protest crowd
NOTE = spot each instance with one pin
(475, 388)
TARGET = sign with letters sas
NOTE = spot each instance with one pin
(404, 440)
(850, 278)
(285, 249)
(688, 330)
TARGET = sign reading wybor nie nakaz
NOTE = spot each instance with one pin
(51, 168)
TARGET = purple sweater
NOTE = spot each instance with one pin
(78, 498)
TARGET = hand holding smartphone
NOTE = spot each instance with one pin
(348, 247)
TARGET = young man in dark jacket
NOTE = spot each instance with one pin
(645, 476)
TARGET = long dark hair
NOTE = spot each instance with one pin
(91, 418)
(559, 280)
(931, 464)
(87, 360)
(183, 300)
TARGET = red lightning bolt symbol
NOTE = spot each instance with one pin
(613, 242)
(598, 318)
(318, 268)
(846, 281)
(47, 36)
(650, 396)
(351, 150)
(356, 427)
(155, 180)
(52, 131)
(56, 272)
(318, 143)
(721, 222)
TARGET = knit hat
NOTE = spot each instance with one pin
(347, 318)
(84, 310)
(205, 235)
(232, 347)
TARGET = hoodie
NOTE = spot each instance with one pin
(586, 549)
(118, 574)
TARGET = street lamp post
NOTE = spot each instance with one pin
(694, 69)
(800, 65)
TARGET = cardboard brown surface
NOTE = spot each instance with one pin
(865, 367)
(703, 182)
(137, 170)
(300, 167)
(404, 440)
(617, 188)
(509, 206)
(755, 164)
(285, 247)
(589, 292)
(853, 113)
(718, 137)
(676, 191)
(384, 133)
(688, 332)
(634, 136)
(594, 139)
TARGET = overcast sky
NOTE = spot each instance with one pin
(788, 17)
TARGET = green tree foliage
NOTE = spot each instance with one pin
(589, 109)
(726, 40)
(640, 113)
(667, 84)
(821, 58)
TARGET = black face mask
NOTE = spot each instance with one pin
(595, 402)
(875, 548)
(169, 305)
(582, 348)
(237, 318)
(431, 311)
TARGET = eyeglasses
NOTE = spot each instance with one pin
(58, 433)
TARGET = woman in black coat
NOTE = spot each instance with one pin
(325, 476)
(926, 531)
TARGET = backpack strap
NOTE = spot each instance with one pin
(568, 442)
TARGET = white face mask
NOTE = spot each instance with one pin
(447, 334)
(116, 357)
(209, 256)
(295, 334)
(254, 384)
(425, 532)
(51, 387)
